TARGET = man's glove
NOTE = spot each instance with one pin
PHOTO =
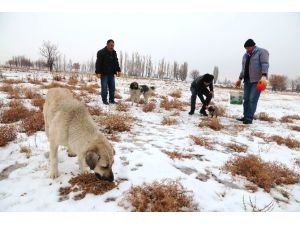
(118, 74)
(212, 94)
(238, 84)
(98, 75)
(263, 80)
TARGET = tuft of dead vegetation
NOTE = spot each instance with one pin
(38, 101)
(289, 142)
(176, 94)
(122, 107)
(116, 122)
(12, 81)
(164, 196)
(13, 92)
(265, 117)
(149, 107)
(35, 81)
(57, 77)
(237, 147)
(84, 184)
(33, 122)
(44, 80)
(212, 123)
(95, 110)
(297, 162)
(52, 85)
(289, 118)
(252, 206)
(16, 112)
(205, 142)
(258, 134)
(172, 104)
(26, 150)
(7, 134)
(117, 95)
(264, 174)
(88, 88)
(295, 128)
(176, 155)
(169, 121)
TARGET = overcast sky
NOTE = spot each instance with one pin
(202, 39)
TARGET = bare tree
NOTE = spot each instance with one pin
(50, 52)
(278, 82)
(76, 67)
(183, 71)
(216, 74)
(194, 74)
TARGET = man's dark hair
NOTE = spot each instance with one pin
(110, 40)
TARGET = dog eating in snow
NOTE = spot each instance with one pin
(137, 90)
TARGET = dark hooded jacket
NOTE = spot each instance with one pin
(107, 62)
(198, 83)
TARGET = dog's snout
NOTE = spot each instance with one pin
(109, 178)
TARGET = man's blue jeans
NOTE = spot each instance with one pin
(251, 96)
(108, 82)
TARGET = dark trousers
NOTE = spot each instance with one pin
(251, 96)
(108, 82)
(202, 92)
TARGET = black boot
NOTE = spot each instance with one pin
(203, 112)
(191, 112)
(241, 119)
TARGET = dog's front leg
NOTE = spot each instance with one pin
(82, 164)
(53, 160)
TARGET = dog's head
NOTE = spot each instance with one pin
(100, 159)
(134, 86)
(211, 109)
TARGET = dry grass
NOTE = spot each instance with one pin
(289, 142)
(122, 107)
(89, 88)
(176, 94)
(116, 122)
(205, 142)
(176, 155)
(95, 110)
(297, 162)
(57, 77)
(212, 123)
(16, 112)
(173, 104)
(251, 206)
(265, 175)
(289, 118)
(13, 92)
(84, 184)
(7, 134)
(33, 123)
(26, 150)
(12, 81)
(44, 80)
(117, 95)
(149, 107)
(258, 134)
(35, 81)
(164, 196)
(1, 104)
(295, 128)
(265, 117)
(38, 101)
(169, 121)
(237, 147)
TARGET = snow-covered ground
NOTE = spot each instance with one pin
(140, 158)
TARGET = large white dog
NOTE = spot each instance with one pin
(68, 123)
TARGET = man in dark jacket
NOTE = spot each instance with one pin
(199, 87)
(107, 65)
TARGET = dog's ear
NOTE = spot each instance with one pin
(91, 159)
(152, 88)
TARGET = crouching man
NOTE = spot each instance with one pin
(199, 87)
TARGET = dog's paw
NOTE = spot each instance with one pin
(54, 174)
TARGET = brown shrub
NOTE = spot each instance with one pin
(289, 118)
(176, 94)
(265, 175)
(202, 141)
(72, 81)
(28, 93)
(176, 155)
(33, 123)
(7, 134)
(34, 81)
(13, 92)
(1, 104)
(95, 110)
(38, 101)
(121, 106)
(173, 104)
(52, 85)
(44, 80)
(12, 81)
(164, 196)
(265, 117)
(117, 95)
(88, 88)
(14, 113)
(149, 107)
(212, 123)
(26, 150)
(296, 128)
(84, 184)
(6, 88)
(289, 142)
(258, 134)
(297, 162)
(116, 122)
(237, 147)
(57, 78)
(169, 121)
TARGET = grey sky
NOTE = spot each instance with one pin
(202, 39)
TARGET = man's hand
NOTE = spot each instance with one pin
(238, 84)
(98, 75)
(263, 80)
(212, 94)
(119, 74)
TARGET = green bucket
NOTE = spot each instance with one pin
(236, 97)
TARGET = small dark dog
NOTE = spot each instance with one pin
(137, 90)
(213, 111)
